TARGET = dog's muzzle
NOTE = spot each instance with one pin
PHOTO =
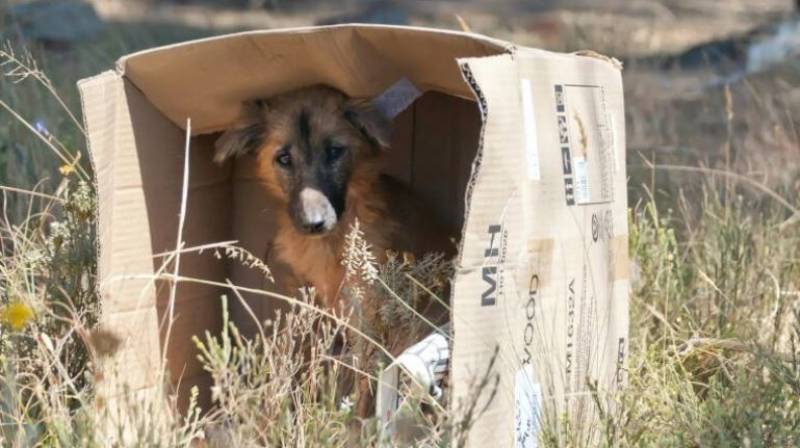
(316, 215)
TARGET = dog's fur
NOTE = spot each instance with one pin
(333, 177)
(318, 153)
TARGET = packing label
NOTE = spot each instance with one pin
(527, 401)
(582, 195)
(586, 143)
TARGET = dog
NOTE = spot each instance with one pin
(318, 153)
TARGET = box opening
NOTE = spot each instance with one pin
(434, 146)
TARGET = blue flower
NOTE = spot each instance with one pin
(41, 127)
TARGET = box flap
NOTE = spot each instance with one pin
(493, 241)
(122, 227)
(540, 294)
(208, 79)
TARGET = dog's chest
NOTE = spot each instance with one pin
(315, 261)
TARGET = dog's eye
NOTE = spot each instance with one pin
(284, 159)
(334, 151)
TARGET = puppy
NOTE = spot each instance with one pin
(318, 153)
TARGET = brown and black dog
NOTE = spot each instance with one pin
(318, 152)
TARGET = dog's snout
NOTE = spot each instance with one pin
(316, 212)
(315, 227)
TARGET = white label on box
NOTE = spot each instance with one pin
(529, 124)
(586, 140)
(527, 400)
(582, 195)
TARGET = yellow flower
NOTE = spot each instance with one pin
(16, 315)
(66, 169)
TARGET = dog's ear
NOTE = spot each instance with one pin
(369, 121)
(244, 137)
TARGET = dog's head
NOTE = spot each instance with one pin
(308, 143)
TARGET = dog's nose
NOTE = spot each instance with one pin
(315, 226)
(316, 215)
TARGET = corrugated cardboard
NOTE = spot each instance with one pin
(542, 276)
(520, 151)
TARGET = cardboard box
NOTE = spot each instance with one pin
(519, 150)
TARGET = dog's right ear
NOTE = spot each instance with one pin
(368, 120)
(245, 136)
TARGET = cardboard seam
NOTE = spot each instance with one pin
(483, 108)
(98, 245)
(344, 59)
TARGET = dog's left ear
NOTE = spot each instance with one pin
(369, 121)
